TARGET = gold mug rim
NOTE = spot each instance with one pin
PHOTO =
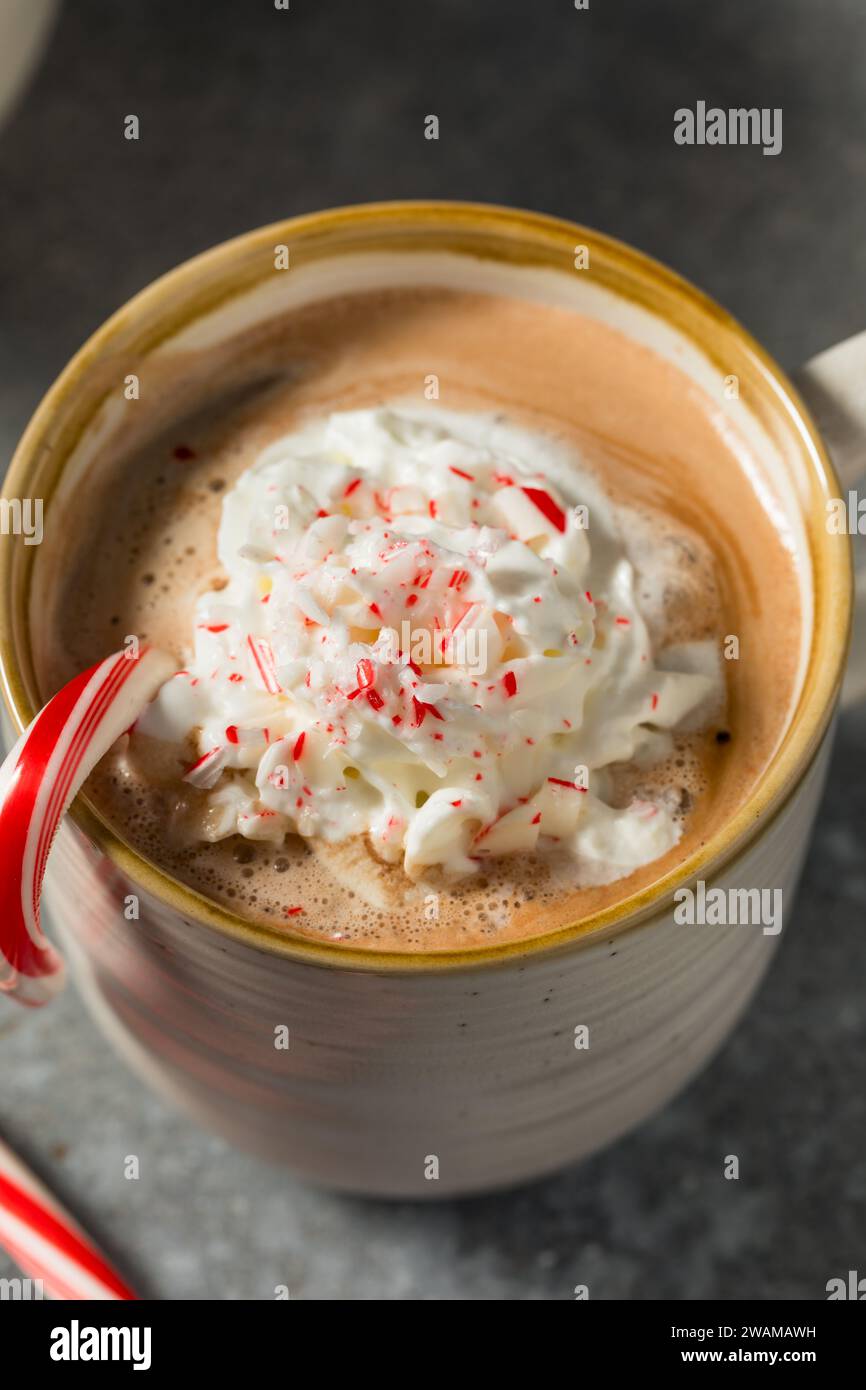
(460, 226)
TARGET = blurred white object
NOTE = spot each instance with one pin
(25, 27)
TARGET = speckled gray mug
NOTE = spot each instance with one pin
(429, 1075)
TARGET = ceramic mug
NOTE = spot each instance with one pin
(427, 1075)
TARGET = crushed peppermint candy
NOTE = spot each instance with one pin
(416, 643)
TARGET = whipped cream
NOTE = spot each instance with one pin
(430, 636)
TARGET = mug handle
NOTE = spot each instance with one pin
(833, 385)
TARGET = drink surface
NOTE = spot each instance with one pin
(708, 562)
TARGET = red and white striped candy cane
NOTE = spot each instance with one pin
(38, 780)
(45, 1241)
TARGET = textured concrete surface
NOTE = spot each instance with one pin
(248, 115)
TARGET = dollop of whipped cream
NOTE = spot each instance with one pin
(429, 636)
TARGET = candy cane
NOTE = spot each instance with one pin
(38, 781)
(47, 1243)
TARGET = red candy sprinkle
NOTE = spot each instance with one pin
(299, 745)
(199, 762)
(421, 709)
(364, 673)
(546, 505)
(509, 680)
(263, 656)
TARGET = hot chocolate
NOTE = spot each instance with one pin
(590, 496)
